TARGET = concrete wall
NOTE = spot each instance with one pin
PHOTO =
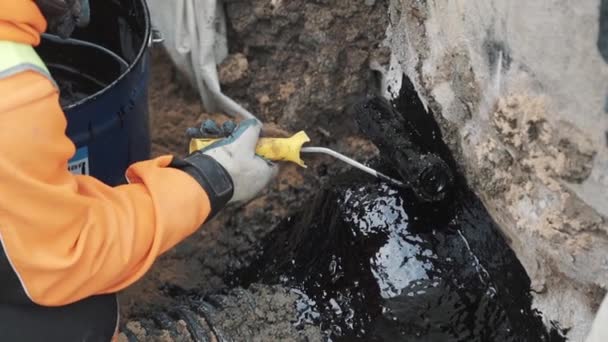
(520, 89)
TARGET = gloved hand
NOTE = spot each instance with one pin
(229, 170)
(63, 16)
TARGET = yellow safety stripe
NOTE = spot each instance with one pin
(17, 57)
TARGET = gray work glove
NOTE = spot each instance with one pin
(229, 170)
(63, 16)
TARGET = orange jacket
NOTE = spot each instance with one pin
(68, 236)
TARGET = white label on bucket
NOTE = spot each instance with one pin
(79, 164)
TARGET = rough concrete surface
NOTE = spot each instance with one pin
(520, 91)
(259, 313)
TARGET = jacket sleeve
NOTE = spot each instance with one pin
(68, 236)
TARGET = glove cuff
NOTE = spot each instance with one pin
(212, 177)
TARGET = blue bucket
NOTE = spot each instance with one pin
(103, 71)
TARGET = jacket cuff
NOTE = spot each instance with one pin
(212, 177)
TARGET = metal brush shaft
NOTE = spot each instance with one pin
(352, 162)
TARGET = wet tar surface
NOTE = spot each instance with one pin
(371, 262)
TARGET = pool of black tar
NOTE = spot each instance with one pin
(372, 262)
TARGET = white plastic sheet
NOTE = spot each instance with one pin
(194, 33)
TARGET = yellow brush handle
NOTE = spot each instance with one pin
(275, 149)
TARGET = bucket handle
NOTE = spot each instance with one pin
(156, 37)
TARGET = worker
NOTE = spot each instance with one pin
(69, 242)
